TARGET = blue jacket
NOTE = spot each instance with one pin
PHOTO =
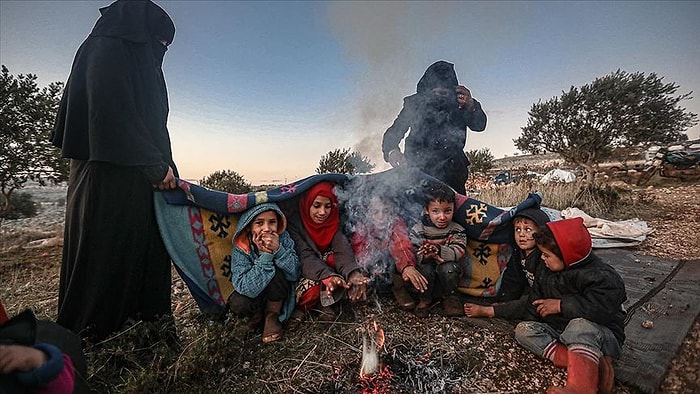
(251, 270)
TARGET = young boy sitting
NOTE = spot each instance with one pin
(519, 277)
(575, 315)
(439, 244)
(264, 268)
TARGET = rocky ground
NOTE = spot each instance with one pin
(29, 263)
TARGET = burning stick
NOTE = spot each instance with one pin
(372, 342)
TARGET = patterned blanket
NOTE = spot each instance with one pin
(197, 225)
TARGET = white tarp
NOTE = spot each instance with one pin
(609, 234)
(557, 175)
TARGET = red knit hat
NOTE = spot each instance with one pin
(573, 239)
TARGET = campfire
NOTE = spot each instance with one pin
(375, 377)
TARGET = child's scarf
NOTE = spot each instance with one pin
(321, 233)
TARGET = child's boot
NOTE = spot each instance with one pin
(606, 375)
(557, 353)
(403, 298)
(272, 330)
(581, 374)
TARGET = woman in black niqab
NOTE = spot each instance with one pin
(111, 123)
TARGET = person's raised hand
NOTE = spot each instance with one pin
(464, 98)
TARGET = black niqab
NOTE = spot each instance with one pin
(115, 105)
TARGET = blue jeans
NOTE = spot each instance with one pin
(535, 336)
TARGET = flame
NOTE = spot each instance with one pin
(372, 342)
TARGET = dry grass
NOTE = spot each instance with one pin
(437, 354)
(598, 200)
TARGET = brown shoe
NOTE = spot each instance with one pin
(296, 319)
(422, 309)
(403, 298)
(327, 314)
(452, 306)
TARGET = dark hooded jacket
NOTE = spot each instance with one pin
(438, 128)
(115, 105)
(519, 276)
(587, 287)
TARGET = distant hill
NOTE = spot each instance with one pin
(538, 163)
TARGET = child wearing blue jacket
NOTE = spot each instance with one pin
(264, 269)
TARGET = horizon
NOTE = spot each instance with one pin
(266, 88)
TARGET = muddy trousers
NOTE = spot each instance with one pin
(442, 279)
(598, 339)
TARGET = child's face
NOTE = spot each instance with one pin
(440, 213)
(264, 223)
(551, 260)
(379, 212)
(320, 209)
(524, 228)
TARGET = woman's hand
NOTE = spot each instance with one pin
(464, 98)
(168, 182)
(547, 306)
(411, 274)
(357, 286)
(334, 283)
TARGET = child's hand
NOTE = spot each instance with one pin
(430, 251)
(411, 274)
(15, 358)
(547, 306)
(267, 242)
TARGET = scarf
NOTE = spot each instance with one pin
(321, 233)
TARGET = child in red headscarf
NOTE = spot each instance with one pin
(575, 312)
(328, 265)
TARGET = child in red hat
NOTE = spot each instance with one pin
(575, 313)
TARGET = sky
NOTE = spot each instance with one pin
(266, 88)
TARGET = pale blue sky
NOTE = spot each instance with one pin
(266, 88)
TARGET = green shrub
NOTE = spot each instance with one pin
(22, 205)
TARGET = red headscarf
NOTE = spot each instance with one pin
(321, 233)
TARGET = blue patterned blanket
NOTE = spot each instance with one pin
(197, 225)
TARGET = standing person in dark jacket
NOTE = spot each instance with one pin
(111, 123)
(438, 116)
(575, 315)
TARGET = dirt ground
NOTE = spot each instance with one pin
(675, 215)
(324, 358)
